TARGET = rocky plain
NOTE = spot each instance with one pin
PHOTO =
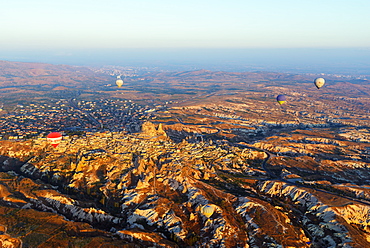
(137, 164)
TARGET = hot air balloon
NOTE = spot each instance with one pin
(207, 210)
(54, 138)
(319, 82)
(280, 99)
(119, 81)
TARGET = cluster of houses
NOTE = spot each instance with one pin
(37, 119)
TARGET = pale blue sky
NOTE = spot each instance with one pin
(279, 35)
(117, 24)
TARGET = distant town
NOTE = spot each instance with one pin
(72, 116)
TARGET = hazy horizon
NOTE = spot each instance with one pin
(353, 61)
(237, 35)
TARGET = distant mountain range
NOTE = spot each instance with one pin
(23, 74)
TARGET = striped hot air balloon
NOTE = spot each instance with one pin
(54, 138)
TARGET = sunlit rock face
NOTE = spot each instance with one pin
(7, 241)
(151, 191)
(138, 173)
(317, 217)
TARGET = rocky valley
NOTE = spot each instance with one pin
(137, 164)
